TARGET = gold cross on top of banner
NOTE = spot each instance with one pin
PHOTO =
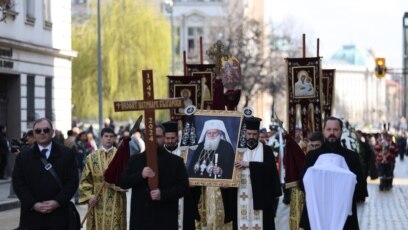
(216, 52)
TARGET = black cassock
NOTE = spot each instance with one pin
(265, 188)
(173, 184)
(353, 162)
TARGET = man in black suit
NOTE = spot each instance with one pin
(43, 202)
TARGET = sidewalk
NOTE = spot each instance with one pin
(7, 202)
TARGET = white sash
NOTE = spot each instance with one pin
(180, 213)
(248, 218)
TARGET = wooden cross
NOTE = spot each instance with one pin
(149, 105)
(244, 227)
(243, 196)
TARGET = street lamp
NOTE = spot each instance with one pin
(168, 6)
(100, 95)
(405, 60)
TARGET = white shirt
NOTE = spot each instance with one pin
(48, 147)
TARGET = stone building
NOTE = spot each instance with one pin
(35, 64)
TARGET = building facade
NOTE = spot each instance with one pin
(35, 64)
(210, 19)
(360, 97)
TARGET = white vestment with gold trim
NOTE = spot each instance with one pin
(248, 218)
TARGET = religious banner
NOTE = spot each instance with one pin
(189, 88)
(328, 77)
(231, 80)
(304, 98)
(207, 74)
(210, 144)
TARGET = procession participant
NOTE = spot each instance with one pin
(260, 183)
(109, 208)
(188, 210)
(332, 131)
(158, 208)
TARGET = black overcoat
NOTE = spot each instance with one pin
(32, 183)
(173, 184)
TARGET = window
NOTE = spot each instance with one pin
(30, 98)
(47, 14)
(48, 98)
(193, 40)
(30, 12)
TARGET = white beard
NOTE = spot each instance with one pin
(211, 144)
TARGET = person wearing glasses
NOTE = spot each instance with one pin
(44, 200)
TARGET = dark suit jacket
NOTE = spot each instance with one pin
(32, 183)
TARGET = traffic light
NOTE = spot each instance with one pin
(380, 68)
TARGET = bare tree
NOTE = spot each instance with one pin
(261, 54)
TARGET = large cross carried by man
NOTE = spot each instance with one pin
(149, 105)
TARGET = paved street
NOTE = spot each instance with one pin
(381, 211)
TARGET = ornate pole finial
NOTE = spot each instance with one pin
(216, 52)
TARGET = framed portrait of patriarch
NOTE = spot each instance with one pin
(209, 146)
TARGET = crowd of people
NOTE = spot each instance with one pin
(79, 162)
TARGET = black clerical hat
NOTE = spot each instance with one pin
(170, 127)
(253, 123)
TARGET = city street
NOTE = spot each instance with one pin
(382, 210)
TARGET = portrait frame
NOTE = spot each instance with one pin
(309, 81)
(178, 84)
(208, 72)
(232, 121)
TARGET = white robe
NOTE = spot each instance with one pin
(329, 187)
(247, 216)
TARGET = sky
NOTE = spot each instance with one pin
(368, 24)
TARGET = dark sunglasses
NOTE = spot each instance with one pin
(38, 131)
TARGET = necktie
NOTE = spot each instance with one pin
(44, 153)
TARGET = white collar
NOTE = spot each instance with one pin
(106, 150)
